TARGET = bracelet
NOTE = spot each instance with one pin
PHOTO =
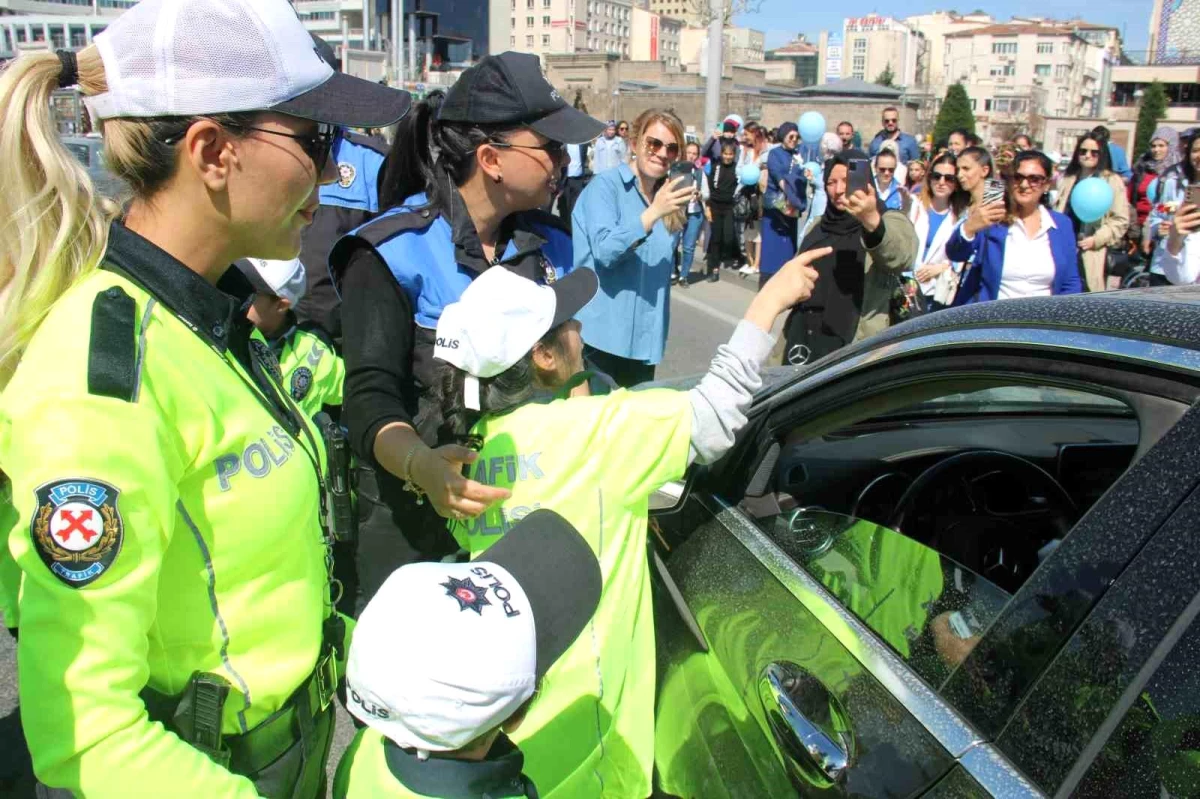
(406, 475)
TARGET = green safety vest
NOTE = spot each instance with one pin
(10, 573)
(365, 773)
(313, 373)
(169, 531)
(595, 461)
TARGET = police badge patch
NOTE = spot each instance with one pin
(302, 380)
(77, 529)
(346, 174)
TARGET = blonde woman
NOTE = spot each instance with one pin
(1092, 159)
(624, 226)
(935, 213)
(170, 496)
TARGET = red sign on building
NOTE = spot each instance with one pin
(654, 37)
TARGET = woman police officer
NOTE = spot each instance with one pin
(169, 493)
(462, 183)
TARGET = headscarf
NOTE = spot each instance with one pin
(828, 320)
(1171, 137)
(784, 130)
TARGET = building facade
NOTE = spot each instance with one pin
(1174, 32)
(693, 13)
(875, 44)
(741, 46)
(655, 38)
(804, 57)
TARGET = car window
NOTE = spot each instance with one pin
(1016, 399)
(1155, 751)
(80, 151)
(930, 610)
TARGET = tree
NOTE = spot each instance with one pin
(1154, 108)
(956, 113)
(886, 77)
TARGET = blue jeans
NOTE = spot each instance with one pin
(695, 223)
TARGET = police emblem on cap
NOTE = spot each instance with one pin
(467, 593)
(302, 380)
(77, 529)
(346, 174)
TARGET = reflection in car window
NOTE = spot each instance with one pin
(1016, 399)
(80, 151)
(1156, 749)
(928, 608)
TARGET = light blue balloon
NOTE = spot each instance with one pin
(812, 127)
(1091, 199)
(814, 169)
(748, 174)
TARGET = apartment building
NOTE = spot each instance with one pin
(1014, 73)
(741, 46)
(935, 27)
(873, 44)
(694, 13)
(655, 38)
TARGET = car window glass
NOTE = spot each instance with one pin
(1155, 751)
(1010, 399)
(927, 608)
(80, 151)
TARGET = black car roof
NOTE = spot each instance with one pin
(1169, 314)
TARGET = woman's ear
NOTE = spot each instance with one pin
(544, 359)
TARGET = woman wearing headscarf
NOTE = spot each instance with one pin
(852, 297)
(1162, 155)
(783, 202)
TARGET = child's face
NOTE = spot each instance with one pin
(727, 155)
(268, 313)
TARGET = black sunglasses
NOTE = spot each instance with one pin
(554, 149)
(934, 177)
(316, 146)
(653, 145)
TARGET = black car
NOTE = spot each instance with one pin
(959, 559)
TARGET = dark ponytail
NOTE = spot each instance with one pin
(428, 154)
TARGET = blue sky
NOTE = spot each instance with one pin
(781, 22)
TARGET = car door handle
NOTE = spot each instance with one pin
(808, 723)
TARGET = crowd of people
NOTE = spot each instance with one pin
(384, 383)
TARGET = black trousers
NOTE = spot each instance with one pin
(625, 372)
(723, 238)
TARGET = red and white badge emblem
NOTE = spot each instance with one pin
(77, 529)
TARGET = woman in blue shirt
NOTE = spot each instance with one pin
(1027, 252)
(625, 227)
(783, 202)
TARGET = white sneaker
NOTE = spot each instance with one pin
(747, 270)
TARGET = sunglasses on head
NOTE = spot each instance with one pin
(653, 146)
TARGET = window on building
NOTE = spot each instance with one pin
(1062, 71)
(528, 22)
(860, 45)
(545, 21)
(1004, 48)
(545, 40)
(78, 37)
(1045, 48)
(512, 23)
(859, 67)
(972, 103)
(514, 5)
(512, 41)
(1003, 70)
(39, 34)
(1041, 70)
(20, 33)
(529, 3)
(529, 41)
(545, 3)
(987, 105)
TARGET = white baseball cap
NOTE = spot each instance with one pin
(445, 652)
(283, 279)
(167, 58)
(501, 315)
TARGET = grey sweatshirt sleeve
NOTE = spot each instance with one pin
(720, 401)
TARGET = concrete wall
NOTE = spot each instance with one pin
(1063, 133)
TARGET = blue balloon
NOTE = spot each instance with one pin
(748, 174)
(812, 127)
(1091, 199)
(814, 169)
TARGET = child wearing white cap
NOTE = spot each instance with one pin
(312, 372)
(447, 656)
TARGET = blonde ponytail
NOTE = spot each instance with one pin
(53, 224)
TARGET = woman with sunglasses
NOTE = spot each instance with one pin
(171, 497)
(935, 213)
(463, 186)
(1022, 249)
(626, 225)
(1092, 159)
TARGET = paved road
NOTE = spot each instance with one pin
(702, 318)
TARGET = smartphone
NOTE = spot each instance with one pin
(993, 191)
(683, 169)
(857, 177)
(1193, 194)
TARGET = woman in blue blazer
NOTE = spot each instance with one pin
(1029, 252)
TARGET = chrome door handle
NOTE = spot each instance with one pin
(808, 723)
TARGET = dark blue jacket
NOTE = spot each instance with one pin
(981, 280)
(906, 144)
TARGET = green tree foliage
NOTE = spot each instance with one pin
(955, 113)
(887, 77)
(1154, 108)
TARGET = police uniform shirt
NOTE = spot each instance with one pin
(313, 374)
(374, 766)
(347, 203)
(168, 505)
(389, 319)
